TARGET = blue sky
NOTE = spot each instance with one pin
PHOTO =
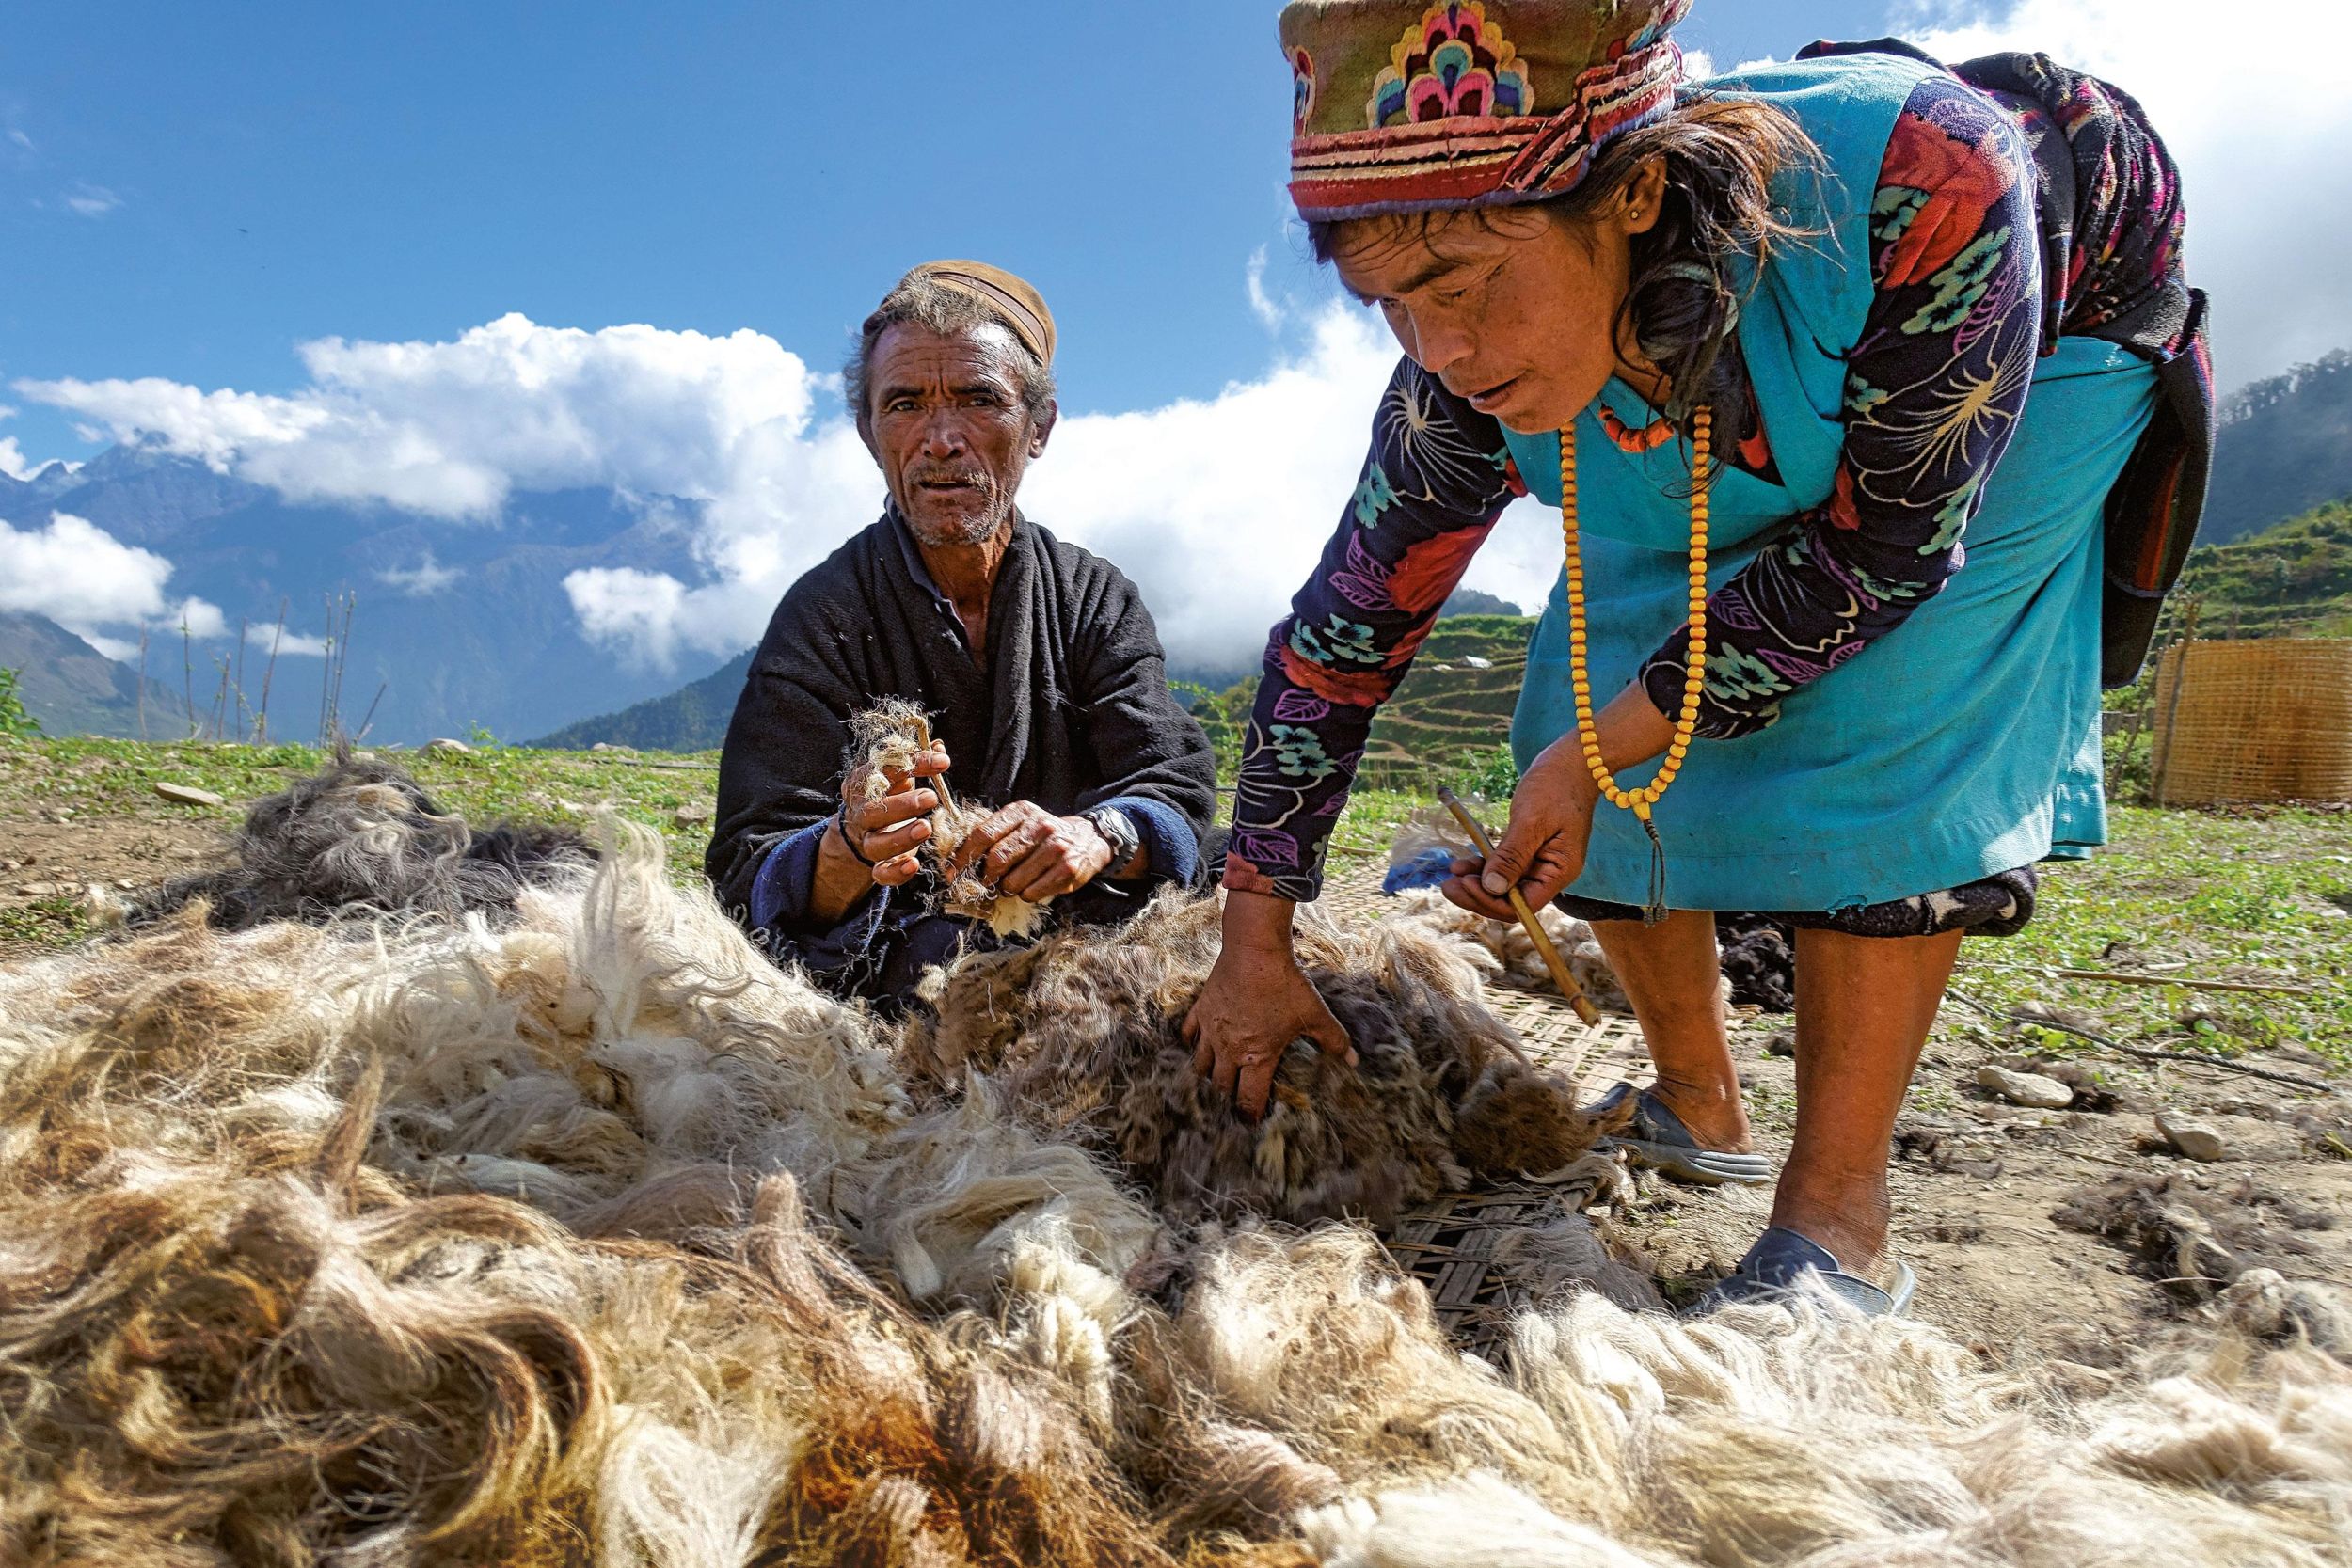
(281, 172)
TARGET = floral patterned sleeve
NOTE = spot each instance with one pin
(1933, 393)
(1437, 478)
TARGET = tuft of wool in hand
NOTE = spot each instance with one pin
(890, 736)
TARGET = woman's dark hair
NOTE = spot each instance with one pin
(1722, 155)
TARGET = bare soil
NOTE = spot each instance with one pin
(2001, 1211)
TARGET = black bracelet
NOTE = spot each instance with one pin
(841, 826)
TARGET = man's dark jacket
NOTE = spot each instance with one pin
(1073, 711)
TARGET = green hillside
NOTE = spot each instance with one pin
(2292, 579)
(1451, 716)
(2286, 446)
(73, 688)
(691, 719)
(1454, 710)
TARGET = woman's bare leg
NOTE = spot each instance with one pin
(1865, 1006)
(1671, 973)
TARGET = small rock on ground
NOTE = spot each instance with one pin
(2190, 1138)
(2257, 1139)
(445, 744)
(690, 816)
(188, 795)
(2031, 1089)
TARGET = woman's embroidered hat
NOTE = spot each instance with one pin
(1401, 106)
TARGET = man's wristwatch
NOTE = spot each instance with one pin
(1117, 831)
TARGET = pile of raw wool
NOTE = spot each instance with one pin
(1082, 1033)
(406, 1239)
(1512, 951)
(1755, 951)
(576, 1233)
(279, 1355)
(362, 836)
(609, 1048)
(1760, 960)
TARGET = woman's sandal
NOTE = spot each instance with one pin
(1776, 1267)
(1656, 1137)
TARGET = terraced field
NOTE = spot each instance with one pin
(1454, 710)
(1452, 714)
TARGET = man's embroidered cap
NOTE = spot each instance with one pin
(1401, 106)
(1008, 298)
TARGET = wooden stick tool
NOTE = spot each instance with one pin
(1535, 932)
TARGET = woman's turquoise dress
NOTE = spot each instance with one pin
(1962, 742)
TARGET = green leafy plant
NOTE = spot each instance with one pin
(14, 720)
(1493, 774)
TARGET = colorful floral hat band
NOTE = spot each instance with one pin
(1411, 107)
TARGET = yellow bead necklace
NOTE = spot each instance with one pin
(1640, 801)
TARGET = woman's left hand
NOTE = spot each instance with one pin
(1543, 849)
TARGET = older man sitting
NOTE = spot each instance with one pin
(1038, 662)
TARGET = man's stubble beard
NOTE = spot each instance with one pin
(977, 530)
(965, 531)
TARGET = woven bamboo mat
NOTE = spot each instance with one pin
(1603, 1055)
(1449, 1245)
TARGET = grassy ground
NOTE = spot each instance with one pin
(111, 783)
(2251, 897)
(2256, 897)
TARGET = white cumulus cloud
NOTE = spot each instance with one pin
(1216, 506)
(260, 639)
(449, 430)
(13, 460)
(81, 577)
(641, 611)
(2258, 127)
(421, 582)
(1262, 305)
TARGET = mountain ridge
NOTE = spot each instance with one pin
(468, 624)
(73, 688)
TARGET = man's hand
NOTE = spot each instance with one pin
(1257, 1001)
(887, 827)
(881, 820)
(1027, 851)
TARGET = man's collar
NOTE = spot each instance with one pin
(912, 552)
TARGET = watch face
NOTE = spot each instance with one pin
(1117, 832)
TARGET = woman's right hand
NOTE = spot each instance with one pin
(1255, 1003)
